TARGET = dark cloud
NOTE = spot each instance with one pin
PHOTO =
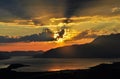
(75, 7)
(14, 7)
(85, 34)
(61, 33)
(37, 22)
(4, 39)
(71, 7)
(91, 7)
(46, 35)
(29, 9)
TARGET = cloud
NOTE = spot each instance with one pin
(46, 9)
(60, 34)
(86, 34)
(46, 35)
(26, 27)
(116, 10)
(71, 7)
(25, 9)
(14, 7)
(4, 39)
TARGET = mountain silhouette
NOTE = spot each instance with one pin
(105, 46)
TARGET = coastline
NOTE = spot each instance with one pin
(102, 71)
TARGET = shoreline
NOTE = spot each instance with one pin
(102, 71)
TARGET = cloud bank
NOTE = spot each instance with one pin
(46, 35)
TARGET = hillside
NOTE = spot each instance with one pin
(106, 46)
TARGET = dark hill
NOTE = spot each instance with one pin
(7, 55)
(106, 46)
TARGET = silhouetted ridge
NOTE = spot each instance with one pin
(107, 39)
(6, 54)
(106, 46)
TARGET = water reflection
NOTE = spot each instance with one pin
(64, 67)
(54, 64)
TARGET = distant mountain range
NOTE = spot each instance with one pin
(106, 46)
(6, 55)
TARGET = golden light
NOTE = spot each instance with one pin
(61, 24)
(68, 35)
(56, 69)
(60, 40)
(56, 35)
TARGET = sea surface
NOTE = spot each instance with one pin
(53, 64)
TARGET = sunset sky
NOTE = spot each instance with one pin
(81, 20)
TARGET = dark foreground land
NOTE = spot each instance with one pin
(102, 71)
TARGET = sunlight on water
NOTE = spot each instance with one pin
(53, 64)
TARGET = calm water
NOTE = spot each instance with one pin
(54, 64)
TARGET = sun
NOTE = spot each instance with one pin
(60, 40)
(56, 35)
(64, 35)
